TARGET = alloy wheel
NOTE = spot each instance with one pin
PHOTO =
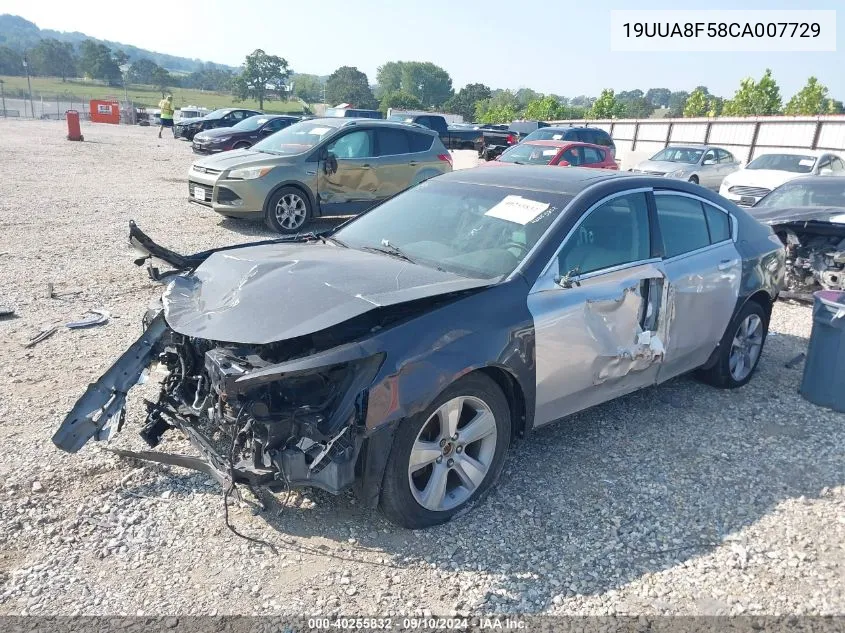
(452, 453)
(290, 211)
(746, 347)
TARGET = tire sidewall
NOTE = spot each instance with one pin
(397, 500)
(270, 216)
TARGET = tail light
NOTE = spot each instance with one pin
(511, 139)
(445, 157)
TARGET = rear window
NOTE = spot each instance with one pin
(391, 142)
(719, 224)
(419, 142)
(682, 224)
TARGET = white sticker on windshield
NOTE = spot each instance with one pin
(549, 152)
(319, 131)
(807, 162)
(557, 137)
(838, 219)
(517, 209)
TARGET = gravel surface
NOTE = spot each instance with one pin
(680, 499)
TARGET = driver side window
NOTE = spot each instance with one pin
(357, 144)
(615, 233)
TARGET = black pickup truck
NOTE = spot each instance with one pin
(508, 135)
(452, 136)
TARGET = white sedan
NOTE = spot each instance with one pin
(746, 186)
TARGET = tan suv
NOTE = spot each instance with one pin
(318, 167)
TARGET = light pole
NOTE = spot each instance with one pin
(3, 97)
(29, 86)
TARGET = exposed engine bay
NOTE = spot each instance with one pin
(815, 256)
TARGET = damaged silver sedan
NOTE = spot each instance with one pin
(401, 353)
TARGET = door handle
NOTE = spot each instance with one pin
(365, 166)
(413, 163)
(726, 263)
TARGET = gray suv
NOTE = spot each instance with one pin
(330, 166)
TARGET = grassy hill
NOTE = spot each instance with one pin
(80, 90)
(19, 34)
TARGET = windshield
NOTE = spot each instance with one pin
(523, 154)
(251, 123)
(678, 155)
(296, 139)
(216, 114)
(473, 230)
(827, 192)
(546, 134)
(784, 162)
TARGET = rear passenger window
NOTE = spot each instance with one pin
(592, 156)
(682, 224)
(719, 224)
(420, 142)
(391, 141)
(603, 138)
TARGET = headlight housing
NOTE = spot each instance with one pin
(220, 139)
(249, 173)
(678, 173)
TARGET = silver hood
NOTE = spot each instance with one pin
(262, 294)
(663, 166)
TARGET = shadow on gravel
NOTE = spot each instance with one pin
(631, 487)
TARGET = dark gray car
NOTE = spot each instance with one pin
(402, 353)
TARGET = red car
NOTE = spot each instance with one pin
(562, 153)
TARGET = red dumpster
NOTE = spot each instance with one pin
(73, 131)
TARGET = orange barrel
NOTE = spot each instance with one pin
(73, 131)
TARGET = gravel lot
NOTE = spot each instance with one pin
(680, 499)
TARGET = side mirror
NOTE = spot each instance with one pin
(267, 131)
(709, 161)
(329, 163)
(563, 163)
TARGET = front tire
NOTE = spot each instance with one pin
(740, 349)
(693, 179)
(447, 456)
(288, 210)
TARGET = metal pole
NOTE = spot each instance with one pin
(29, 86)
(3, 97)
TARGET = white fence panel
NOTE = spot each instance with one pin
(653, 132)
(786, 134)
(688, 133)
(832, 135)
(730, 133)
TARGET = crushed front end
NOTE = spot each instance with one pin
(275, 415)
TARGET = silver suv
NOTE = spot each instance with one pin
(330, 166)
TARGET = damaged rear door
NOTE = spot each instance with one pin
(598, 310)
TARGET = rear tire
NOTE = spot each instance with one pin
(740, 349)
(469, 463)
(288, 210)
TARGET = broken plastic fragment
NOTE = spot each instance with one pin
(98, 317)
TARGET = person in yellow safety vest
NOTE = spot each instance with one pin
(166, 107)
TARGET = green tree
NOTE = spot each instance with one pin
(637, 108)
(96, 61)
(464, 101)
(389, 77)
(543, 109)
(11, 62)
(658, 97)
(835, 107)
(498, 114)
(400, 100)
(677, 101)
(142, 71)
(209, 77)
(161, 79)
(52, 58)
(811, 99)
(261, 75)
(755, 98)
(309, 88)
(525, 96)
(697, 104)
(606, 106)
(427, 82)
(349, 85)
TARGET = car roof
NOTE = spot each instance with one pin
(559, 143)
(534, 177)
(563, 128)
(338, 122)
